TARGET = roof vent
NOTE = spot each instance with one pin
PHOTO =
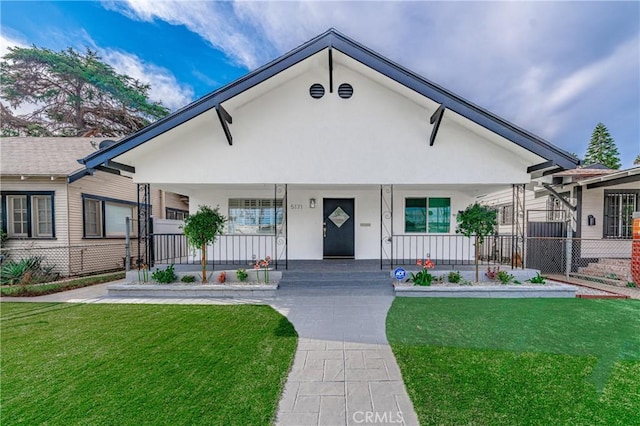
(106, 143)
(345, 91)
(316, 91)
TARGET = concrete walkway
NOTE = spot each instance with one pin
(344, 371)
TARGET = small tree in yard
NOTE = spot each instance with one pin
(202, 229)
(479, 221)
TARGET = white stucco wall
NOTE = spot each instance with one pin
(378, 136)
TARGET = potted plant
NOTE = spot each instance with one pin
(202, 229)
(479, 221)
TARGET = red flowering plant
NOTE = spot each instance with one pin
(262, 265)
(423, 277)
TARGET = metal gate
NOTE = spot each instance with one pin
(546, 241)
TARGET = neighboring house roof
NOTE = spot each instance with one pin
(584, 173)
(334, 40)
(32, 156)
(616, 178)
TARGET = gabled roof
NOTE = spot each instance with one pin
(31, 156)
(332, 39)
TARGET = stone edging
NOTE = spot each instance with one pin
(488, 291)
(192, 290)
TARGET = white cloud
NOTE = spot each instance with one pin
(164, 86)
(215, 22)
(7, 41)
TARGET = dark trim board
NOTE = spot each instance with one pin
(332, 39)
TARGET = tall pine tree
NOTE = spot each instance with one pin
(602, 149)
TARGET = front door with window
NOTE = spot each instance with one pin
(338, 228)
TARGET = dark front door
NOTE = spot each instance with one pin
(338, 228)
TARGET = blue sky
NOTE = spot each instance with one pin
(554, 68)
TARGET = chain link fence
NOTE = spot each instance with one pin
(40, 263)
(600, 259)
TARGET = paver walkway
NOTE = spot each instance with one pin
(344, 372)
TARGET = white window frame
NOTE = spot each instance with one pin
(11, 217)
(31, 219)
(101, 221)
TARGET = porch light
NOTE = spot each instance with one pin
(312, 203)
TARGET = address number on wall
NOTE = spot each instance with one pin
(296, 206)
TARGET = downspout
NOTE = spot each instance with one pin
(68, 227)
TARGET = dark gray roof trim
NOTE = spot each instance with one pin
(333, 39)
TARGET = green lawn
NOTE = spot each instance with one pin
(519, 361)
(66, 364)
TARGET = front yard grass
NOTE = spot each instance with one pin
(519, 361)
(68, 364)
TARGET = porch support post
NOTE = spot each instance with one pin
(225, 120)
(436, 119)
(518, 226)
(281, 243)
(386, 226)
(144, 226)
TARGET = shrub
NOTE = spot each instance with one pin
(423, 278)
(454, 277)
(26, 271)
(631, 284)
(165, 276)
(538, 279)
(504, 277)
(188, 279)
(222, 277)
(242, 275)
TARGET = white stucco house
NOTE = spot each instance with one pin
(333, 151)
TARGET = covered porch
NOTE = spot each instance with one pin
(298, 224)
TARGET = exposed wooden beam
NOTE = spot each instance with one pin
(562, 200)
(108, 170)
(225, 118)
(119, 166)
(330, 70)
(540, 166)
(436, 119)
(79, 174)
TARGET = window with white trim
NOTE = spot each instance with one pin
(28, 215)
(254, 215)
(106, 218)
(618, 212)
